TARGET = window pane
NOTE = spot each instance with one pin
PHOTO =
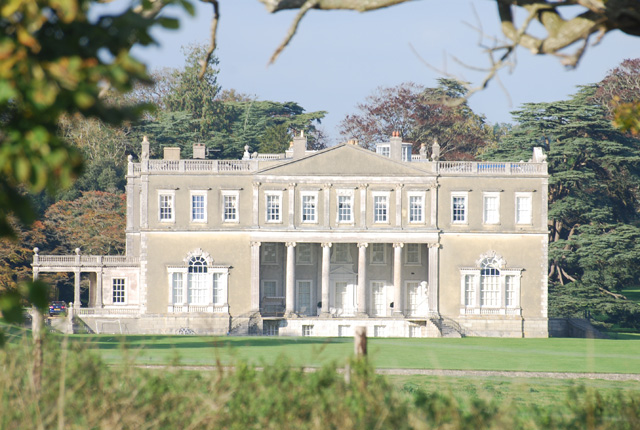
(177, 288)
(491, 215)
(118, 290)
(380, 208)
(459, 209)
(523, 210)
(510, 295)
(303, 253)
(166, 207)
(344, 209)
(469, 290)
(416, 209)
(273, 208)
(377, 253)
(308, 208)
(230, 208)
(413, 253)
(197, 208)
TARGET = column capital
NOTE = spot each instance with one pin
(433, 245)
(253, 244)
(290, 244)
(363, 245)
(398, 245)
(326, 244)
(257, 184)
(363, 186)
(399, 187)
(292, 184)
(326, 186)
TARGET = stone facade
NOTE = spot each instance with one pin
(313, 243)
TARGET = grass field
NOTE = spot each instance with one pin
(541, 355)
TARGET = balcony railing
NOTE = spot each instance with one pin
(491, 168)
(102, 312)
(194, 166)
(85, 260)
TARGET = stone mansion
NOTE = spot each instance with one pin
(315, 243)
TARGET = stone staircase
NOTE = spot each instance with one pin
(448, 327)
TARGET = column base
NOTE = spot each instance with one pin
(290, 314)
(325, 314)
(397, 314)
(362, 315)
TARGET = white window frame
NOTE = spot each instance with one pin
(313, 219)
(420, 295)
(264, 288)
(232, 196)
(471, 302)
(465, 218)
(334, 253)
(273, 217)
(263, 251)
(379, 331)
(423, 198)
(406, 254)
(124, 290)
(311, 308)
(373, 252)
(202, 194)
(382, 216)
(171, 195)
(307, 330)
(490, 217)
(529, 218)
(348, 194)
(212, 302)
(300, 253)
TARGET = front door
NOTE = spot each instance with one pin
(379, 299)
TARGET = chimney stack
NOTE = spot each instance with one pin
(395, 146)
(299, 146)
(199, 151)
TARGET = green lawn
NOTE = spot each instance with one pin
(632, 293)
(545, 355)
(540, 392)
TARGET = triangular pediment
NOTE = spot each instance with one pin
(341, 269)
(343, 160)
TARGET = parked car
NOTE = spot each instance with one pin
(57, 308)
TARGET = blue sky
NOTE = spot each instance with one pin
(337, 58)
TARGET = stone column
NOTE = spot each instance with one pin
(255, 276)
(99, 301)
(291, 278)
(326, 263)
(433, 277)
(397, 279)
(76, 289)
(76, 281)
(363, 205)
(361, 294)
(399, 205)
(256, 204)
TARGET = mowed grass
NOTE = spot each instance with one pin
(632, 293)
(533, 355)
(525, 392)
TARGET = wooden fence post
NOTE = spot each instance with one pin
(360, 341)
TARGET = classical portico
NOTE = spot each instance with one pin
(355, 279)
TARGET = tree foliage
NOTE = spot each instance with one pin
(421, 115)
(593, 201)
(190, 110)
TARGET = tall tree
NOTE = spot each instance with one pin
(421, 115)
(593, 200)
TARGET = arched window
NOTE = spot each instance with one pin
(489, 282)
(197, 281)
(490, 287)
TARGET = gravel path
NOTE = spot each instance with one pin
(433, 372)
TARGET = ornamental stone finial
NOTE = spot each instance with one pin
(36, 250)
(77, 251)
